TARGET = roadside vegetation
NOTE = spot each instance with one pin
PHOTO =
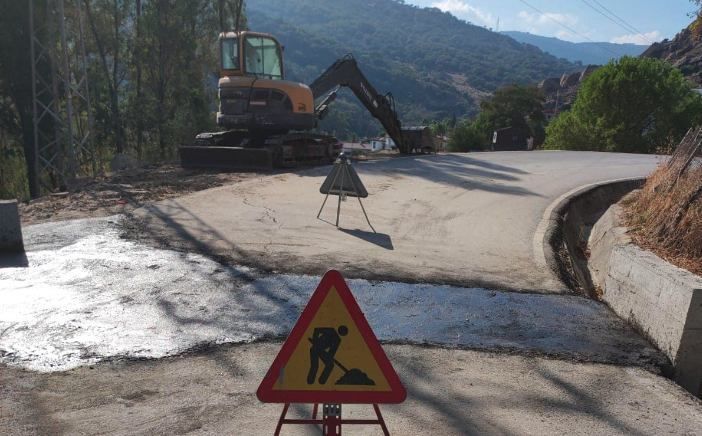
(633, 105)
(150, 66)
(666, 215)
(511, 106)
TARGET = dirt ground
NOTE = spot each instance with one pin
(123, 192)
(449, 392)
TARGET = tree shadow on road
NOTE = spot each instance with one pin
(460, 411)
(459, 171)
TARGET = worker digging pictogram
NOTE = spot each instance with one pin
(331, 357)
(325, 343)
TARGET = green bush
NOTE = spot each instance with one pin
(467, 136)
(634, 105)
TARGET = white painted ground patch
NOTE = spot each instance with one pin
(94, 296)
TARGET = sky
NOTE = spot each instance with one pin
(620, 21)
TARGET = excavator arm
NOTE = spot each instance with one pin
(345, 72)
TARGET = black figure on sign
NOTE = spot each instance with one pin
(325, 343)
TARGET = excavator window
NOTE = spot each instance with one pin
(263, 58)
(230, 54)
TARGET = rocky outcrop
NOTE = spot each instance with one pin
(684, 52)
(560, 93)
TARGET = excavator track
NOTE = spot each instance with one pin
(236, 150)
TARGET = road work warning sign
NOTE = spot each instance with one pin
(331, 355)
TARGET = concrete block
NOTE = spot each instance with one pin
(664, 302)
(10, 228)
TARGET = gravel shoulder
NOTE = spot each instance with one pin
(122, 192)
(449, 391)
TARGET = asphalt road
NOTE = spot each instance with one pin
(451, 392)
(95, 330)
(86, 296)
(463, 219)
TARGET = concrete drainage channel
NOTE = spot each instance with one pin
(585, 244)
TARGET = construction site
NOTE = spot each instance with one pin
(263, 272)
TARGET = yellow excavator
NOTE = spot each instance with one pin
(267, 120)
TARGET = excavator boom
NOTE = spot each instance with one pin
(345, 72)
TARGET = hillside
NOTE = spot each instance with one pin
(684, 52)
(587, 53)
(435, 65)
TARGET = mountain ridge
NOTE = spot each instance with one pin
(587, 53)
(436, 65)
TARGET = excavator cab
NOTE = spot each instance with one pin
(254, 55)
(253, 92)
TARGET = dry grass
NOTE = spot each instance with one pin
(666, 216)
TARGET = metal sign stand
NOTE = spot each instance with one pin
(344, 165)
(331, 420)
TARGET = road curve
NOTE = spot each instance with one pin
(460, 219)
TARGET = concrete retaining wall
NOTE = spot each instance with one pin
(664, 302)
(10, 228)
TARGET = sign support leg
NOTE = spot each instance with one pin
(341, 194)
(381, 421)
(331, 419)
(327, 196)
(358, 195)
(282, 418)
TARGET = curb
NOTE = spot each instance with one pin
(548, 243)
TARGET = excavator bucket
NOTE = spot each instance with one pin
(235, 158)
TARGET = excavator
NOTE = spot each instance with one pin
(267, 121)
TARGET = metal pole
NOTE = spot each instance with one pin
(358, 196)
(364, 213)
(87, 137)
(341, 191)
(325, 198)
(331, 419)
(381, 420)
(34, 163)
(72, 167)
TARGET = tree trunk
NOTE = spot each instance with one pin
(112, 79)
(139, 97)
(30, 156)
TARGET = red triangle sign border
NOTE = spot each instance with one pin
(397, 392)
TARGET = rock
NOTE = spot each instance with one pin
(684, 52)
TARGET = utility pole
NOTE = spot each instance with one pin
(60, 95)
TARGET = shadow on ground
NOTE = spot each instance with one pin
(380, 239)
(461, 171)
(18, 260)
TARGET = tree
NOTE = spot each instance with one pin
(467, 136)
(16, 86)
(630, 105)
(515, 106)
(106, 26)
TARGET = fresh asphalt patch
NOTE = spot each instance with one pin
(87, 295)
